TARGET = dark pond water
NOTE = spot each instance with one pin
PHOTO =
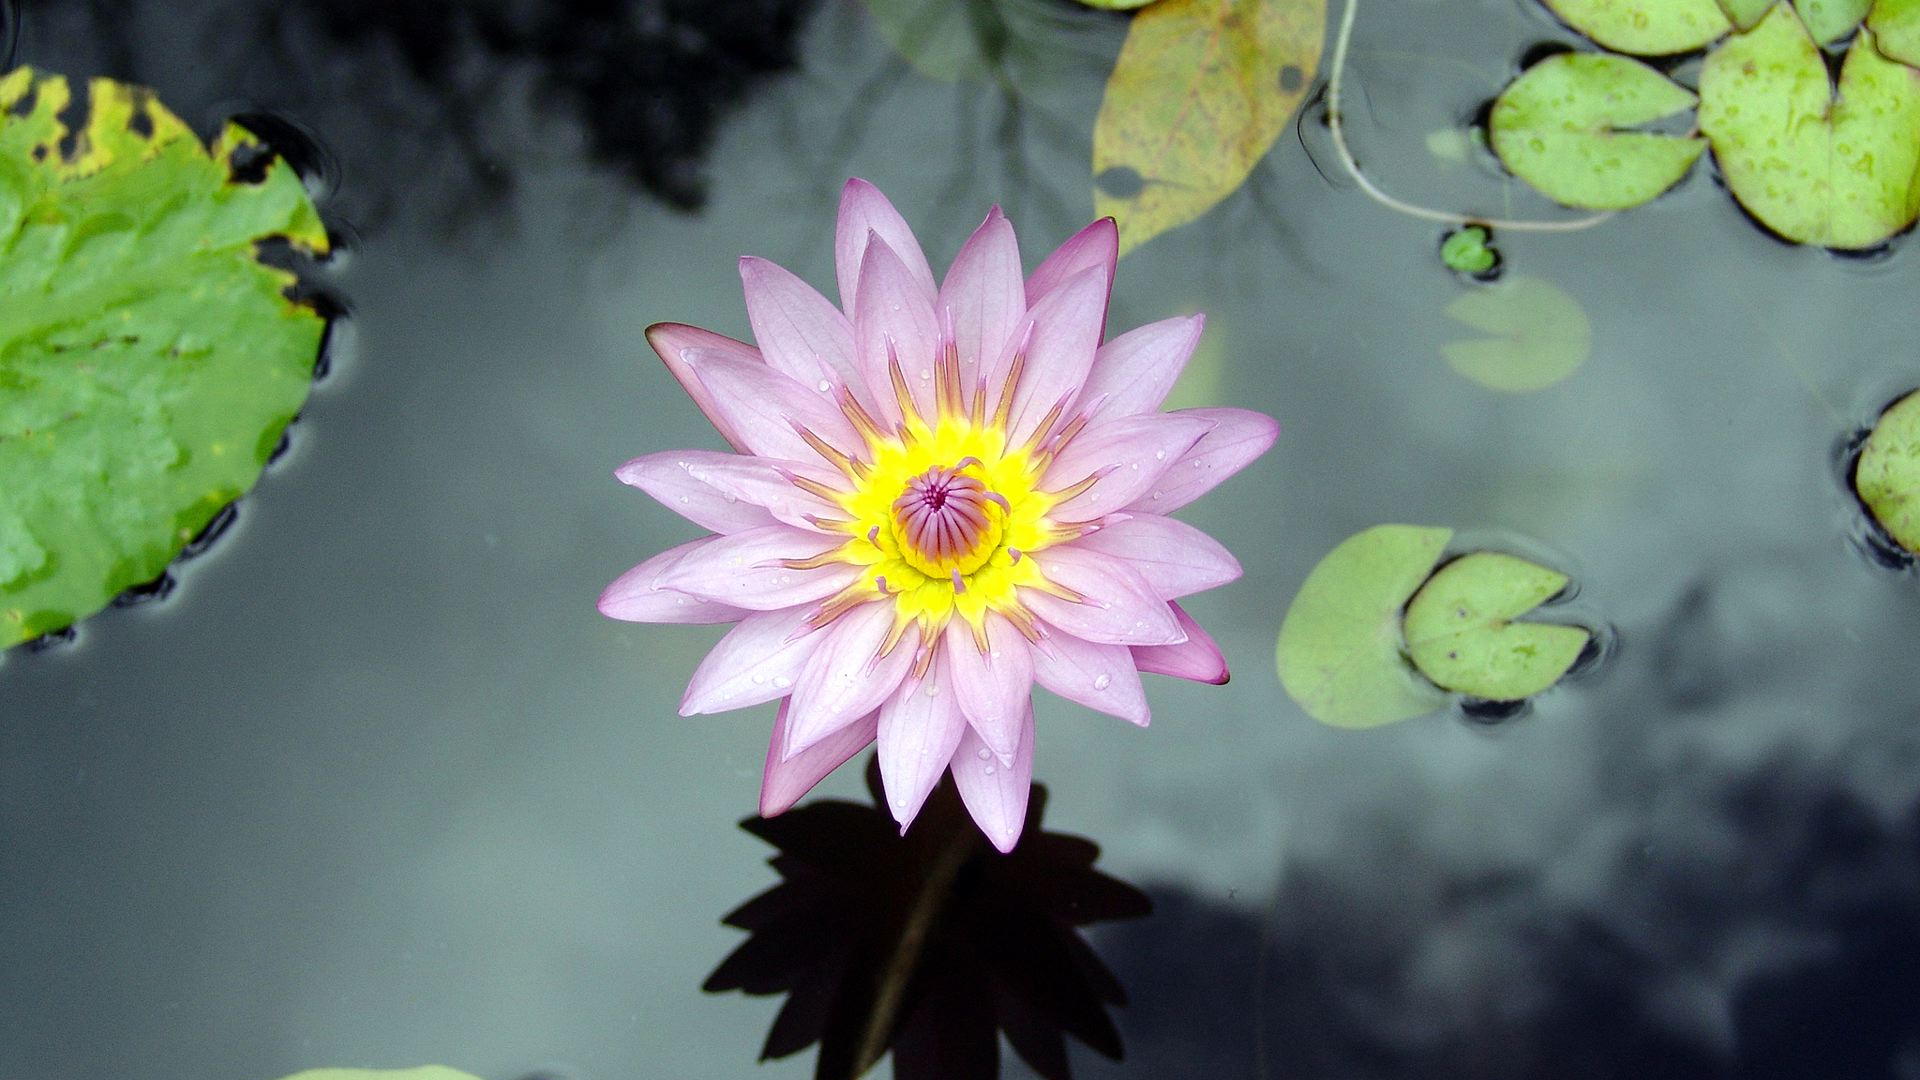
(376, 784)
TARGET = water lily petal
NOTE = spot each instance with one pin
(846, 677)
(995, 792)
(1134, 372)
(1118, 607)
(1096, 245)
(757, 661)
(670, 477)
(764, 406)
(799, 331)
(639, 596)
(920, 726)
(995, 688)
(894, 320)
(984, 294)
(672, 341)
(746, 569)
(785, 780)
(1196, 658)
(1238, 437)
(1098, 676)
(1128, 457)
(1176, 558)
(863, 210)
(765, 485)
(1066, 333)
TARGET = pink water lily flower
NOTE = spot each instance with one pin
(941, 496)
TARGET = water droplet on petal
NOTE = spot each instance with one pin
(758, 678)
(782, 681)
(984, 753)
(1198, 464)
(900, 803)
(684, 465)
(988, 770)
(1159, 455)
(1157, 495)
(925, 374)
(684, 500)
(1102, 681)
(1106, 605)
(933, 690)
(825, 386)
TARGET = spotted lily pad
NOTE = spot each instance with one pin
(1461, 634)
(1537, 335)
(1841, 170)
(1340, 652)
(1896, 27)
(1645, 27)
(148, 360)
(1887, 477)
(1830, 20)
(1562, 126)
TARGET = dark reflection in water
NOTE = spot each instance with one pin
(930, 944)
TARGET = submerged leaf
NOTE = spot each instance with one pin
(1540, 335)
(1645, 27)
(148, 359)
(1560, 127)
(1340, 648)
(1461, 635)
(948, 40)
(1200, 92)
(1896, 27)
(1816, 166)
(1887, 477)
(1829, 20)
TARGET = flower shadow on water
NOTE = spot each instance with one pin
(928, 944)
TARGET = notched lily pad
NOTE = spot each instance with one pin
(1646, 27)
(1896, 28)
(148, 360)
(1461, 634)
(1887, 477)
(1538, 335)
(1340, 652)
(1562, 126)
(1469, 250)
(1839, 169)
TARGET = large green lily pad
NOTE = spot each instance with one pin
(148, 360)
(1896, 27)
(1537, 335)
(1645, 27)
(1562, 127)
(1461, 634)
(1340, 653)
(1839, 170)
(1887, 476)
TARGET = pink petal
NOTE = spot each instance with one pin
(1096, 245)
(745, 569)
(920, 725)
(984, 294)
(1119, 607)
(757, 661)
(673, 340)
(1238, 437)
(1134, 372)
(676, 479)
(764, 406)
(1066, 333)
(1176, 558)
(995, 793)
(1098, 676)
(1130, 457)
(846, 677)
(863, 210)
(766, 485)
(784, 781)
(995, 688)
(798, 330)
(1196, 658)
(639, 596)
(894, 320)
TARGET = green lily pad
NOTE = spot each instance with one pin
(1887, 477)
(148, 360)
(1561, 126)
(1744, 13)
(1340, 648)
(1461, 635)
(1645, 27)
(1469, 251)
(424, 1072)
(1538, 335)
(1896, 27)
(1839, 170)
(1829, 20)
